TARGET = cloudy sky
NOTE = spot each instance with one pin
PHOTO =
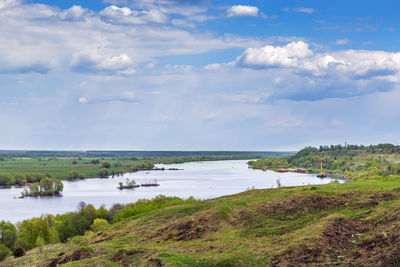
(198, 74)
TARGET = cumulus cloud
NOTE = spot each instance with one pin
(242, 11)
(297, 56)
(274, 56)
(75, 13)
(125, 15)
(102, 64)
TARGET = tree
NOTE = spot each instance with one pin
(4, 252)
(40, 243)
(34, 188)
(49, 186)
(103, 173)
(5, 179)
(106, 164)
(74, 175)
(8, 234)
(39, 227)
(94, 161)
(20, 179)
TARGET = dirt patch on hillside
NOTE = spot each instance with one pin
(188, 229)
(373, 200)
(382, 247)
(133, 256)
(62, 258)
(303, 203)
(331, 247)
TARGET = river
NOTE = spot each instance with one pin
(202, 180)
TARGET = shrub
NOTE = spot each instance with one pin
(99, 225)
(103, 173)
(4, 252)
(106, 164)
(74, 175)
(20, 179)
(8, 234)
(5, 179)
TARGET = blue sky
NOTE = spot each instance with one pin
(198, 75)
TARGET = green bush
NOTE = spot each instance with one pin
(4, 252)
(8, 234)
(103, 173)
(5, 179)
(145, 205)
(99, 225)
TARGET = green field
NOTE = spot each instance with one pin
(59, 163)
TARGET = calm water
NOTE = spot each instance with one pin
(198, 179)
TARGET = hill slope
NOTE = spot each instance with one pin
(343, 224)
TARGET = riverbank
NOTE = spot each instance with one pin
(330, 174)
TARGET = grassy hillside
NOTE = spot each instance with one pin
(346, 161)
(336, 224)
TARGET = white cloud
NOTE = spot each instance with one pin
(82, 100)
(9, 3)
(125, 15)
(297, 56)
(242, 11)
(102, 64)
(274, 56)
(75, 13)
(343, 41)
(304, 10)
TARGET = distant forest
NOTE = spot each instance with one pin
(142, 154)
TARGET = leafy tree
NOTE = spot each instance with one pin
(95, 161)
(106, 164)
(99, 225)
(4, 252)
(46, 187)
(43, 227)
(103, 173)
(5, 179)
(40, 243)
(141, 166)
(74, 175)
(20, 179)
(72, 224)
(8, 234)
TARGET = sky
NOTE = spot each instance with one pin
(198, 74)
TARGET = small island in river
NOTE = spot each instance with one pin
(46, 187)
(130, 184)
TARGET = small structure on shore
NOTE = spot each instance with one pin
(321, 173)
(151, 184)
